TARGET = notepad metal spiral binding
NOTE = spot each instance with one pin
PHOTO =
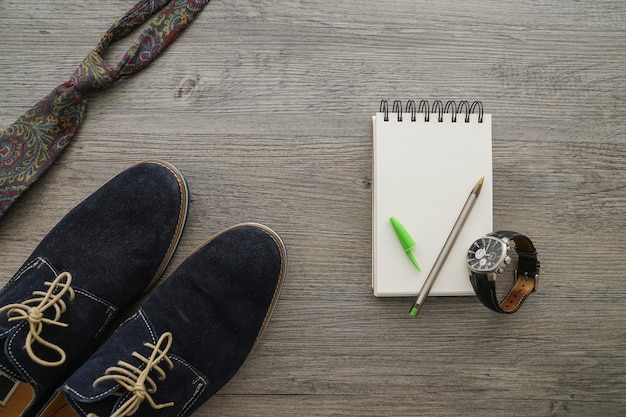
(438, 107)
(426, 155)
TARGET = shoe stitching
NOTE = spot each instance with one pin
(83, 397)
(32, 311)
(131, 318)
(94, 298)
(77, 405)
(142, 315)
(17, 277)
(200, 382)
(16, 362)
(36, 263)
(139, 382)
(109, 314)
(31, 265)
(9, 372)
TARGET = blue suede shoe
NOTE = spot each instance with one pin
(96, 261)
(188, 338)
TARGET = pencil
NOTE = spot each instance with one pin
(454, 233)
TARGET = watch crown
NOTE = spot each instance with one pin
(507, 260)
(499, 270)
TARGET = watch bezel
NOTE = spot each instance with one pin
(500, 262)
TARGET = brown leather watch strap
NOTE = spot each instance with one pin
(521, 289)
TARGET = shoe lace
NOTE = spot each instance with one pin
(137, 381)
(33, 310)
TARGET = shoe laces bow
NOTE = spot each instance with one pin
(137, 381)
(33, 311)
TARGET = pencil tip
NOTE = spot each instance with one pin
(478, 186)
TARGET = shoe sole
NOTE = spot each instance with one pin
(279, 285)
(182, 218)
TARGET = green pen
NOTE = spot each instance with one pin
(406, 240)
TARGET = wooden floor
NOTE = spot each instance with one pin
(266, 107)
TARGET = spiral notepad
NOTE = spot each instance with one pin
(426, 160)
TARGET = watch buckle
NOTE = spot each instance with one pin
(526, 276)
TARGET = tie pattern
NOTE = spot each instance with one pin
(33, 142)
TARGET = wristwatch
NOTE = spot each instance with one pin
(488, 256)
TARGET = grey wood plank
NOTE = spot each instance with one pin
(265, 107)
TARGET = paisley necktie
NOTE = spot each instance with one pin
(31, 144)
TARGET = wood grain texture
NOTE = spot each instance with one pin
(265, 106)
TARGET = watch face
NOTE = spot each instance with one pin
(486, 254)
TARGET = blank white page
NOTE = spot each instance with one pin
(423, 173)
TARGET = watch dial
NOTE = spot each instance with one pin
(485, 254)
